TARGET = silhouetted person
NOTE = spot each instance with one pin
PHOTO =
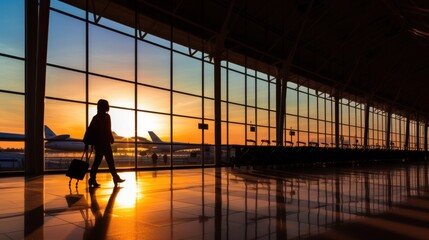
(102, 221)
(165, 159)
(103, 139)
(154, 158)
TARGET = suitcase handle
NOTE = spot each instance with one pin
(85, 151)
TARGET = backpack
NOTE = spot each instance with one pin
(90, 135)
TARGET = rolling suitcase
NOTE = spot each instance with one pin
(78, 169)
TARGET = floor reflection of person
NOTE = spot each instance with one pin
(101, 221)
(103, 139)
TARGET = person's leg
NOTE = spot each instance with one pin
(97, 160)
(111, 163)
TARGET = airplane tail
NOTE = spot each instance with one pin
(49, 133)
(154, 137)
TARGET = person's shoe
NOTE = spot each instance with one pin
(93, 183)
(117, 180)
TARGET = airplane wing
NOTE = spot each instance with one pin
(11, 137)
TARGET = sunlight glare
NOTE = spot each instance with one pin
(128, 195)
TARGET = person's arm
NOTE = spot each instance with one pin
(109, 126)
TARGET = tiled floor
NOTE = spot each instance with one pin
(214, 203)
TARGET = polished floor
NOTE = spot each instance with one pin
(222, 203)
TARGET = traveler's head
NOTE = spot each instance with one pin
(102, 106)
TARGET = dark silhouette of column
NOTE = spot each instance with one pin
(389, 188)
(367, 195)
(36, 41)
(388, 126)
(337, 120)
(34, 207)
(218, 203)
(407, 134)
(337, 200)
(366, 127)
(281, 228)
(425, 147)
(217, 57)
(417, 134)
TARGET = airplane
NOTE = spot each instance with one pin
(160, 146)
(64, 142)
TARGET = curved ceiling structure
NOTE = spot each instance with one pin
(371, 50)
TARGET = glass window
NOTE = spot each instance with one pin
(321, 108)
(303, 104)
(186, 74)
(291, 101)
(272, 118)
(13, 122)
(60, 81)
(344, 114)
(236, 67)
(313, 125)
(208, 109)
(158, 123)
(329, 112)
(209, 133)
(208, 80)
(251, 119)
(12, 113)
(12, 39)
(224, 109)
(111, 53)
(66, 48)
(236, 134)
(322, 126)
(251, 98)
(236, 113)
(262, 94)
(12, 73)
(157, 40)
(291, 122)
(273, 96)
(60, 5)
(153, 65)
(153, 99)
(186, 105)
(263, 117)
(224, 84)
(123, 122)
(182, 126)
(262, 134)
(118, 93)
(303, 124)
(236, 87)
(64, 117)
(313, 107)
(115, 25)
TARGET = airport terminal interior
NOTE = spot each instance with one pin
(231, 119)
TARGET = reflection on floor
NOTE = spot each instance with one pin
(221, 203)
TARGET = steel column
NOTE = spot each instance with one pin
(337, 121)
(417, 134)
(425, 147)
(389, 122)
(37, 25)
(407, 134)
(366, 130)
